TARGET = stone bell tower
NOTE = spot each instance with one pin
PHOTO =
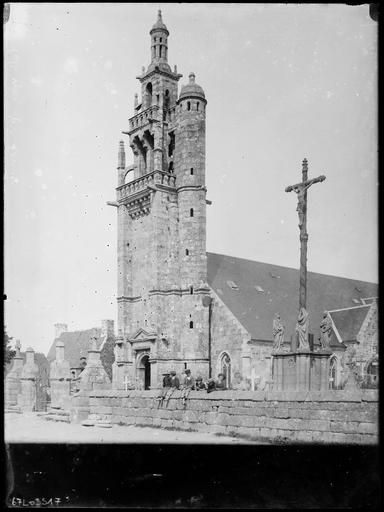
(161, 215)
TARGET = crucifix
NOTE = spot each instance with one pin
(301, 191)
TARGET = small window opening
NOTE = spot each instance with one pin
(157, 98)
(191, 290)
(187, 252)
(185, 366)
(188, 105)
(197, 105)
(191, 171)
(170, 167)
(160, 50)
(161, 39)
(191, 324)
(191, 212)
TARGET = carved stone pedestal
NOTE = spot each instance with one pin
(301, 370)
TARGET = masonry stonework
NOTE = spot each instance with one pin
(317, 417)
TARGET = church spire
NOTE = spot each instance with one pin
(159, 46)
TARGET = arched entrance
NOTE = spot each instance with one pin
(144, 371)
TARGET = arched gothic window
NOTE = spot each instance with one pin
(333, 373)
(225, 366)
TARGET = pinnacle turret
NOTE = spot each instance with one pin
(121, 156)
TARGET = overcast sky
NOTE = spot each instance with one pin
(283, 82)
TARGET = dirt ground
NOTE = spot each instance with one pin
(30, 428)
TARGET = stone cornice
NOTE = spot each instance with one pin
(158, 71)
(124, 298)
(180, 291)
(192, 95)
(191, 187)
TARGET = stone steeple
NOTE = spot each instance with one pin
(159, 44)
(161, 216)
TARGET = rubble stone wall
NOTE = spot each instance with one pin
(316, 417)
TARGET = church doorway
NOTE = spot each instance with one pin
(144, 371)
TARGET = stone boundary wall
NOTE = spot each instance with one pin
(316, 417)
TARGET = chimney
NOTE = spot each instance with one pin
(108, 328)
(59, 329)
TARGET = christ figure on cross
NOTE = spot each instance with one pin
(301, 190)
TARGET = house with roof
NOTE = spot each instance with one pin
(77, 344)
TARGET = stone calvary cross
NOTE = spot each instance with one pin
(301, 191)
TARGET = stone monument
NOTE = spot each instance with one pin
(60, 379)
(92, 377)
(13, 379)
(302, 369)
(325, 331)
(278, 332)
(27, 397)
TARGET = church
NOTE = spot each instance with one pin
(178, 306)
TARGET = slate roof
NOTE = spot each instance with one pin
(255, 309)
(348, 322)
(76, 344)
